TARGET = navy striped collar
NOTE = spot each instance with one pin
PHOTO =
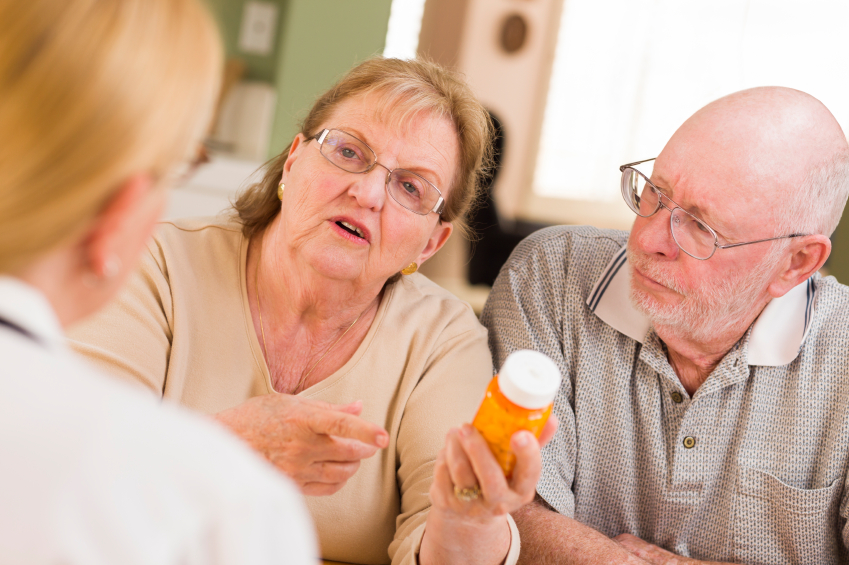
(776, 337)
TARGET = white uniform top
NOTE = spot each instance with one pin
(93, 472)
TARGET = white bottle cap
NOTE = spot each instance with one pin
(529, 379)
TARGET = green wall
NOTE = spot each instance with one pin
(317, 41)
(838, 263)
(228, 13)
(320, 40)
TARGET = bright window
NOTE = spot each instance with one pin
(405, 23)
(627, 73)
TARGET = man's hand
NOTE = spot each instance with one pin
(317, 444)
(656, 555)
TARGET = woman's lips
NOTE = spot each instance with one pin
(350, 230)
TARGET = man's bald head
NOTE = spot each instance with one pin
(775, 147)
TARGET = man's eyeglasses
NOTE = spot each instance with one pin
(413, 192)
(691, 234)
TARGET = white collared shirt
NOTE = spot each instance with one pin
(751, 469)
(92, 472)
(776, 335)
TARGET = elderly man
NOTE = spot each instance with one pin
(704, 413)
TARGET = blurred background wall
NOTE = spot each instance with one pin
(578, 87)
(314, 43)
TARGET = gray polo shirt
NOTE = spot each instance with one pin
(750, 469)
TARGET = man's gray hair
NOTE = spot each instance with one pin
(817, 205)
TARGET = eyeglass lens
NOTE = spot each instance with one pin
(405, 187)
(692, 235)
(638, 193)
(347, 152)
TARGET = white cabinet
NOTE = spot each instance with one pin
(212, 188)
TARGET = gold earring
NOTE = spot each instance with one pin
(280, 188)
(411, 268)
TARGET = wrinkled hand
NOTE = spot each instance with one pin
(466, 461)
(654, 554)
(319, 445)
(472, 532)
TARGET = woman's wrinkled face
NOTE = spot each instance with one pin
(346, 226)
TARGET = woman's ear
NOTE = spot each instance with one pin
(123, 226)
(437, 239)
(294, 152)
(804, 258)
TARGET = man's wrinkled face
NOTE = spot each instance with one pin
(706, 309)
(736, 164)
(700, 300)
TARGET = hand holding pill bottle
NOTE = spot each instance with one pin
(518, 398)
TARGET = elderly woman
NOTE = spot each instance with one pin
(97, 116)
(301, 324)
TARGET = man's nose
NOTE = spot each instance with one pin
(370, 188)
(653, 235)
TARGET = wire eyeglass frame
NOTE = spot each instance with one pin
(632, 199)
(439, 202)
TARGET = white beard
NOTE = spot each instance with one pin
(706, 311)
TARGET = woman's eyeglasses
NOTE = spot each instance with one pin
(413, 192)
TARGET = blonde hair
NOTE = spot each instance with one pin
(406, 89)
(94, 91)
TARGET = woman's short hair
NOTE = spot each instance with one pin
(94, 91)
(405, 89)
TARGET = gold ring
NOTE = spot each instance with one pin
(467, 494)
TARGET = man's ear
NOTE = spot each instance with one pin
(437, 239)
(124, 223)
(806, 255)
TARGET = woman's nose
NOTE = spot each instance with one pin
(370, 189)
(653, 235)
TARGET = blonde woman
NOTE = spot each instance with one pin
(301, 324)
(101, 101)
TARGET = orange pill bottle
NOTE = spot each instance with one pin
(518, 398)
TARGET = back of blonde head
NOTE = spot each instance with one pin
(94, 91)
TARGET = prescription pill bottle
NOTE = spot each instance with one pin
(519, 397)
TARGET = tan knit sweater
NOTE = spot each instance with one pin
(182, 328)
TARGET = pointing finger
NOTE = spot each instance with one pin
(355, 407)
(348, 426)
(344, 449)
